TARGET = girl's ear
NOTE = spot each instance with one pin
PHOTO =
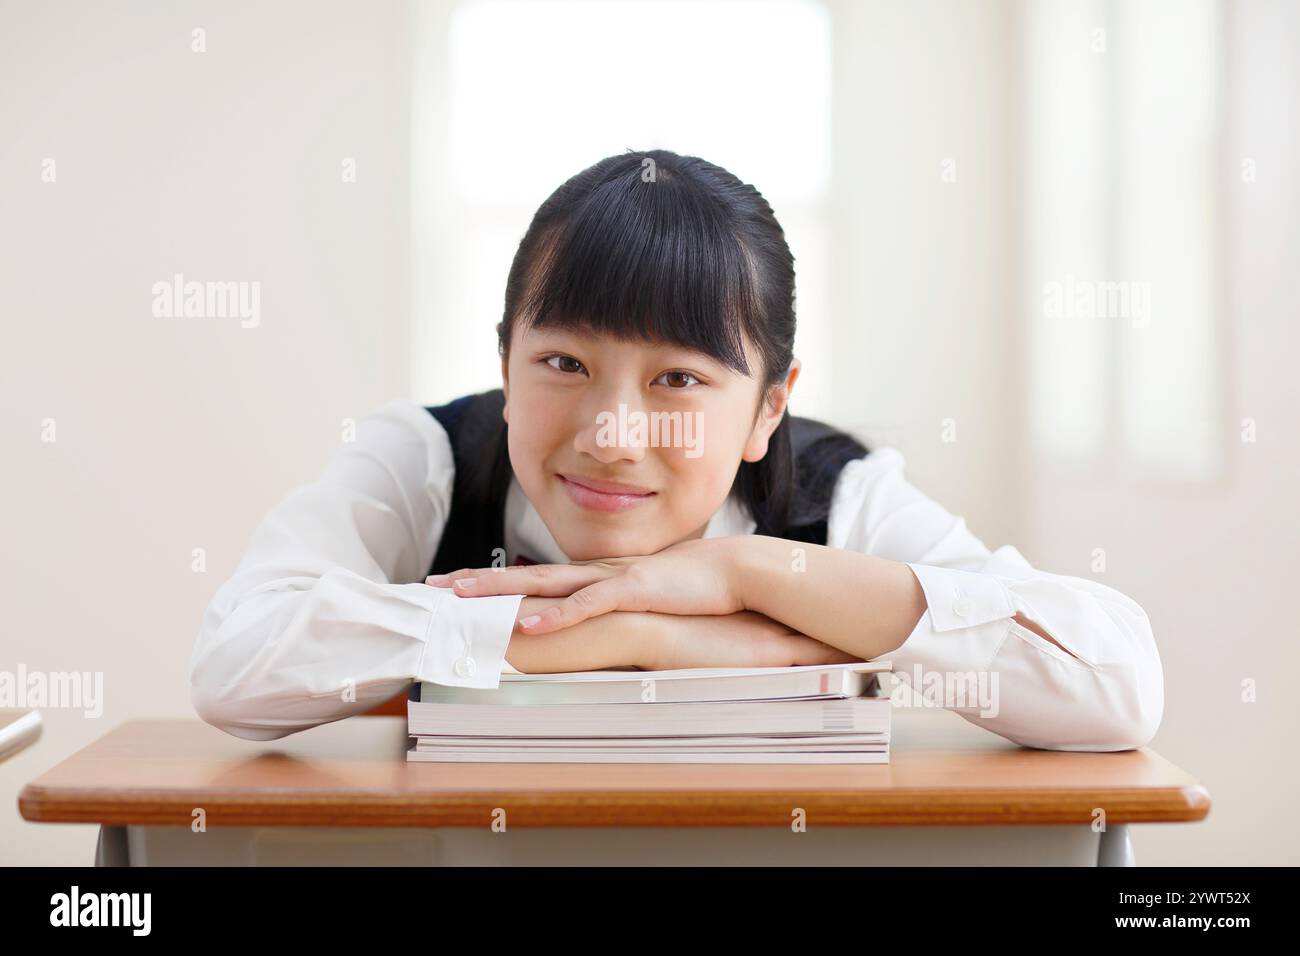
(505, 389)
(769, 414)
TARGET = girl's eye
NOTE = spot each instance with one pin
(678, 383)
(677, 380)
(564, 358)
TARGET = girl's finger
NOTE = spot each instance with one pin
(600, 598)
(545, 580)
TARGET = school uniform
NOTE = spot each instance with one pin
(327, 614)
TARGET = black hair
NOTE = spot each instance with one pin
(675, 249)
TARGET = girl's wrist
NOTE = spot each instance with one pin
(646, 644)
(752, 558)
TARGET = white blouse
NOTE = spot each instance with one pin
(327, 614)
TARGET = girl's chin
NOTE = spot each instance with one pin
(592, 544)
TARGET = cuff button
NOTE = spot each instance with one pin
(465, 667)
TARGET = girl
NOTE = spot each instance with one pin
(558, 537)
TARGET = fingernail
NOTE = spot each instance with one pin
(464, 582)
(530, 620)
(435, 579)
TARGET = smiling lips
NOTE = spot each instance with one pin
(598, 495)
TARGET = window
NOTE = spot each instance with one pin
(514, 97)
(1123, 131)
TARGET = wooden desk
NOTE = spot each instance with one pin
(344, 793)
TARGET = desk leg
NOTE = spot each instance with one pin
(111, 848)
(1115, 847)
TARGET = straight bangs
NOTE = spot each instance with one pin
(654, 261)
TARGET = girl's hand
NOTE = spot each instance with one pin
(621, 639)
(691, 577)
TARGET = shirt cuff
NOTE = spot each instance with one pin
(467, 639)
(964, 624)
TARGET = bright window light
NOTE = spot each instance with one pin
(512, 98)
(744, 84)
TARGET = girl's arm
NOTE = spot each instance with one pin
(1057, 662)
(856, 602)
(862, 604)
(327, 614)
(652, 641)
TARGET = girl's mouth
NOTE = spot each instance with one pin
(606, 496)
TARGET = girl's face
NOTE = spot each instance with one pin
(625, 448)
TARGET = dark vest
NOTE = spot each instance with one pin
(476, 523)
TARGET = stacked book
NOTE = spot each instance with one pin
(828, 713)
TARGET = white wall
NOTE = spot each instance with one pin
(925, 347)
(175, 434)
(1212, 563)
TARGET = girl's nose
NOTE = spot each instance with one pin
(611, 434)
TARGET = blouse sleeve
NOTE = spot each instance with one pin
(1104, 692)
(327, 614)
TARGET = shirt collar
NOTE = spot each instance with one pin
(527, 534)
